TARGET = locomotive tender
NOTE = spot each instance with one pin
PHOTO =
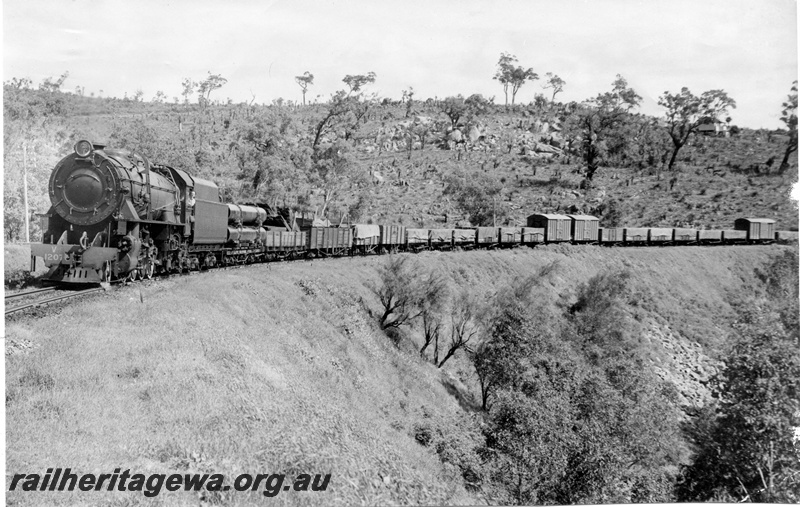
(116, 215)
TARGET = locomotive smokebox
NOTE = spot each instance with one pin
(82, 192)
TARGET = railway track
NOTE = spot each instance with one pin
(20, 295)
(40, 302)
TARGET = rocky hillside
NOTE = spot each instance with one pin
(415, 164)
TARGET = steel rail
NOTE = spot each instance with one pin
(17, 295)
(71, 295)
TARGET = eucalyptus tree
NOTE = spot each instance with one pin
(594, 123)
(513, 76)
(789, 118)
(554, 82)
(686, 112)
(305, 81)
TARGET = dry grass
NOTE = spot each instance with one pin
(281, 368)
(232, 371)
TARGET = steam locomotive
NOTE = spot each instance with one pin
(115, 215)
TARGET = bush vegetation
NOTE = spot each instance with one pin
(417, 161)
(573, 411)
(747, 446)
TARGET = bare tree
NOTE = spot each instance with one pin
(398, 292)
(435, 296)
(464, 326)
(482, 358)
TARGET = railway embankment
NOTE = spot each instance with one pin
(283, 368)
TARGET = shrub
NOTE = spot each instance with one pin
(746, 446)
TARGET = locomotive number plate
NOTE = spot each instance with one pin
(57, 257)
(55, 254)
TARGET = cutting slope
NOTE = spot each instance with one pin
(282, 369)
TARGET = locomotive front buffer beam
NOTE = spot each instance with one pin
(74, 263)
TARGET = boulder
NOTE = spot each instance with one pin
(473, 134)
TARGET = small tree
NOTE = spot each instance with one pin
(686, 112)
(464, 319)
(355, 83)
(333, 169)
(789, 118)
(514, 76)
(408, 99)
(188, 89)
(501, 358)
(454, 108)
(594, 122)
(530, 438)
(399, 292)
(305, 81)
(211, 83)
(746, 443)
(345, 112)
(422, 130)
(554, 82)
(476, 196)
(52, 86)
(435, 297)
(478, 105)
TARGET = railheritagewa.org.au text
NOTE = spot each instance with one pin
(64, 479)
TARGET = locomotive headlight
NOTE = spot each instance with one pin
(83, 148)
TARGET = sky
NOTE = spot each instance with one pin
(438, 47)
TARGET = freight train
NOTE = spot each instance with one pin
(115, 215)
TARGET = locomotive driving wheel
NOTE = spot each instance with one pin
(105, 275)
(131, 276)
(148, 269)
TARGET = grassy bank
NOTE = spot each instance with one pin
(282, 369)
